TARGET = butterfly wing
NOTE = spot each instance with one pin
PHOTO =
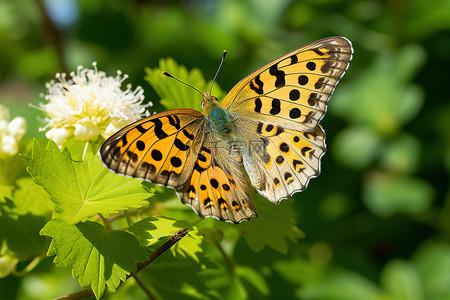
(277, 109)
(292, 91)
(161, 148)
(217, 187)
(281, 161)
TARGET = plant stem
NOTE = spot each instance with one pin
(85, 149)
(128, 217)
(144, 288)
(30, 266)
(227, 258)
(106, 222)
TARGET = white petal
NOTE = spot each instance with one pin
(17, 127)
(58, 135)
(85, 130)
(9, 146)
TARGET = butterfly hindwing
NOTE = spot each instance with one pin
(281, 161)
(217, 186)
(160, 148)
(293, 90)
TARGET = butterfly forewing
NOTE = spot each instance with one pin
(293, 90)
(160, 148)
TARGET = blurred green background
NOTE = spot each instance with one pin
(377, 220)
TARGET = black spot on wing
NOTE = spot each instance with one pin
(188, 135)
(294, 59)
(140, 145)
(143, 130)
(276, 107)
(280, 75)
(174, 121)
(159, 132)
(180, 145)
(258, 105)
(318, 52)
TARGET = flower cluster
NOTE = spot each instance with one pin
(11, 132)
(89, 104)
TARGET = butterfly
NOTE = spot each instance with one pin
(267, 125)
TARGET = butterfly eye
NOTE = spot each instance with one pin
(204, 102)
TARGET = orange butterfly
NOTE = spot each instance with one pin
(268, 122)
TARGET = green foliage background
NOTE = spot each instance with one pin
(376, 223)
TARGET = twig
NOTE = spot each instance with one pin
(154, 255)
(227, 258)
(144, 288)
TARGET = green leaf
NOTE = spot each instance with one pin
(356, 146)
(31, 198)
(253, 280)
(386, 194)
(342, 285)
(274, 224)
(175, 94)
(401, 154)
(7, 265)
(155, 230)
(82, 189)
(96, 256)
(433, 262)
(6, 191)
(19, 235)
(402, 280)
(212, 235)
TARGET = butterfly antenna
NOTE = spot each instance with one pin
(218, 69)
(169, 75)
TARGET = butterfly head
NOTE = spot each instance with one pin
(209, 102)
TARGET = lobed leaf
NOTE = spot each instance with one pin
(274, 224)
(96, 256)
(82, 189)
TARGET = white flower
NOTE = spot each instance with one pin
(86, 104)
(17, 127)
(10, 133)
(9, 146)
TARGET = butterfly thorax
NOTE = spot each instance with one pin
(216, 114)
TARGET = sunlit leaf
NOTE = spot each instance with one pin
(175, 94)
(386, 194)
(96, 256)
(356, 147)
(433, 262)
(341, 285)
(402, 280)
